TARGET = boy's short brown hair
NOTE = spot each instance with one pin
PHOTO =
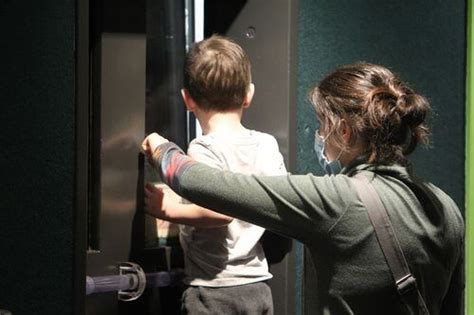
(217, 74)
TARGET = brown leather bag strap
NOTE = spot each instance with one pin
(405, 282)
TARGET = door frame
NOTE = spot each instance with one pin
(82, 154)
(469, 186)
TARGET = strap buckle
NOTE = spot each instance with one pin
(406, 284)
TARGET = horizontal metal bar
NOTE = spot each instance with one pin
(128, 282)
(111, 283)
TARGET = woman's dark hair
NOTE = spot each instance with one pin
(379, 108)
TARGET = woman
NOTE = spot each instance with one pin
(369, 122)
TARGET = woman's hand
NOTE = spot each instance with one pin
(151, 142)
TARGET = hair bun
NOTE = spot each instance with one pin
(381, 106)
(413, 109)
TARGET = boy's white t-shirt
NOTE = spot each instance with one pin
(230, 255)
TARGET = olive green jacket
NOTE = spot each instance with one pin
(327, 215)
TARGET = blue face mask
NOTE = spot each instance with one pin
(330, 167)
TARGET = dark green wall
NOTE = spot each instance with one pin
(37, 117)
(423, 41)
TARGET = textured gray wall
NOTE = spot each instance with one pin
(423, 41)
(37, 115)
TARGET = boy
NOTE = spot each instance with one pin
(225, 264)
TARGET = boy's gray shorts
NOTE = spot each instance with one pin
(252, 299)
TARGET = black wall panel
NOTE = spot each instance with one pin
(37, 115)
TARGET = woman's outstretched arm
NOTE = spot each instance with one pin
(290, 205)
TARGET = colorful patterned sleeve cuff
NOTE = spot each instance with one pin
(171, 162)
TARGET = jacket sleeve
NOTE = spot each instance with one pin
(299, 206)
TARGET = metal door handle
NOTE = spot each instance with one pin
(131, 281)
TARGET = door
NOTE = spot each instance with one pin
(135, 57)
(136, 54)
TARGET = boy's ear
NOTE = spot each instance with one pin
(249, 96)
(188, 100)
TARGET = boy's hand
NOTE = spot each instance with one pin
(150, 143)
(154, 201)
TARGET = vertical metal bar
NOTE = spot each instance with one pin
(94, 134)
(82, 153)
(198, 36)
(189, 30)
(469, 298)
(165, 111)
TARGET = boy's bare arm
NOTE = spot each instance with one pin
(163, 205)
